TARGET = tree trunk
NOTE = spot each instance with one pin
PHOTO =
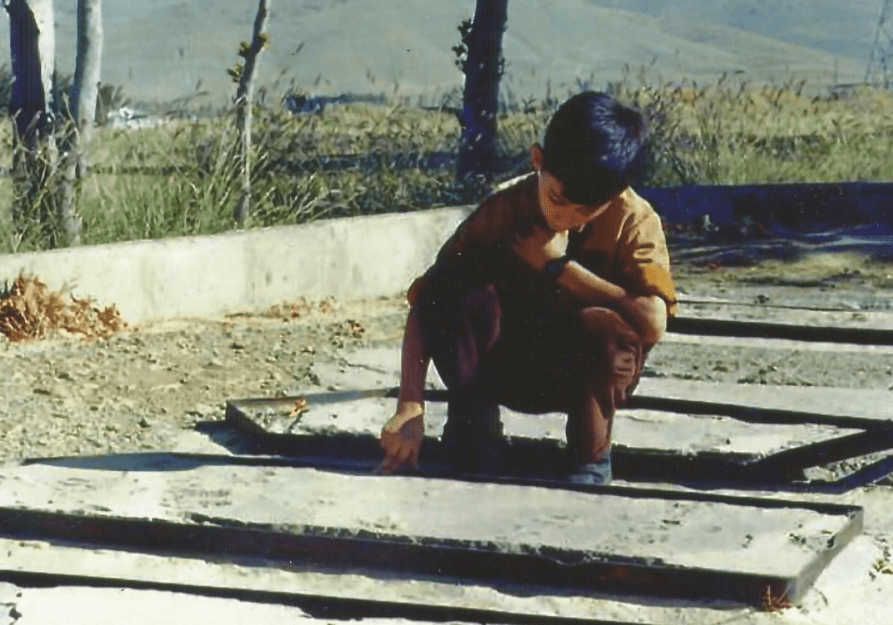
(244, 102)
(483, 69)
(32, 49)
(84, 93)
(85, 90)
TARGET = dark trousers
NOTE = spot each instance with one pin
(500, 334)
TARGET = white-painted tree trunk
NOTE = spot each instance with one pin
(244, 101)
(85, 90)
(84, 93)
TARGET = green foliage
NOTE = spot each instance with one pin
(236, 71)
(359, 159)
(29, 219)
(109, 98)
(743, 134)
(5, 88)
(460, 50)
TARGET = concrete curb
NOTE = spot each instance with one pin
(355, 258)
(374, 256)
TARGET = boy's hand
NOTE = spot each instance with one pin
(648, 314)
(401, 440)
(539, 247)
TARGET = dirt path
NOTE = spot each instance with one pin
(146, 387)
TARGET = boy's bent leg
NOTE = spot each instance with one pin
(473, 433)
(460, 326)
(613, 364)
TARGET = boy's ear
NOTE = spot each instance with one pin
(536, 157)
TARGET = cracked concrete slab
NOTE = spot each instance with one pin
(517, 519)
(105, 606)
(641, 429)
(849, 592)
(380, 368)
(36, 606)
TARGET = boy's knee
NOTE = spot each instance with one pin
(615, 342)
(616, 351)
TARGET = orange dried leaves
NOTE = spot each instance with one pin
(31, 311)
(299, 408)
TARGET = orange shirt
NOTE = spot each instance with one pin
(624, 245)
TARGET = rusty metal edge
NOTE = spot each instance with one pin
(751, 414)
(824, 452)
(768, 330)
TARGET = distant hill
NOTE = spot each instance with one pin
(161, 49)
(845, 29)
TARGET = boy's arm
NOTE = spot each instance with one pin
(647, 296)
(401, 437)
(646, 313)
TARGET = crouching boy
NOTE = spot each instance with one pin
(547, 298)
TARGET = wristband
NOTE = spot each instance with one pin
(554, 267)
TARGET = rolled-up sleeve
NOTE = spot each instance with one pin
(645, 261)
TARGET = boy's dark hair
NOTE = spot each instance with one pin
(595, 146)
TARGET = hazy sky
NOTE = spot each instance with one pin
(161, 49)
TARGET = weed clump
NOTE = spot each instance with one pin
(29, 311)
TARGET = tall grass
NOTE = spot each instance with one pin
(358, 159)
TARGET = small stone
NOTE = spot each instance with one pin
(204, 410)
(144, 423)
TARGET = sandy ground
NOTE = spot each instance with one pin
(145, 387)
(162, 387)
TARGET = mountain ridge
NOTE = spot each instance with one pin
(160, 50)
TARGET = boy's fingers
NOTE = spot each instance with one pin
(385, 467)
(396, 456)
(389, 464)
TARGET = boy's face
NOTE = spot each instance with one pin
(559, 213)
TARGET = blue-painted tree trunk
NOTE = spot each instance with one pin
(483, 69)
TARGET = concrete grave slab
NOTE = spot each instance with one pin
(734, 426)
(107, 606)
(379, 368)
(841, 407)
(638, 429)
(84, 580)
(610, 538)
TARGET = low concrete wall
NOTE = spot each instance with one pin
(367, 256)
(245, 271)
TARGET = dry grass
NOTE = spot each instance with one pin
(31, 311)
(180, 179)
